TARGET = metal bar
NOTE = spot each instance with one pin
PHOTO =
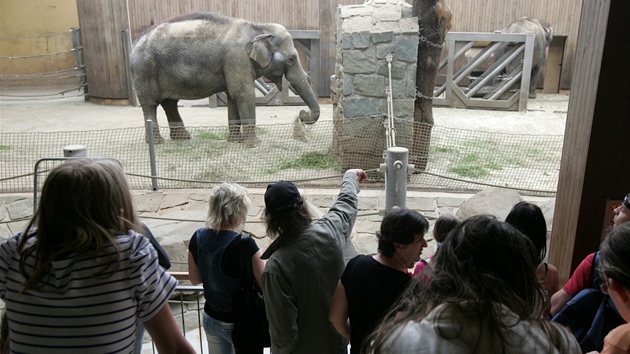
(149, 128)
(262, 86)
(506, 85)
(477, 60)
(493, 71)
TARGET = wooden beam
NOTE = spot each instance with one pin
(595, 161)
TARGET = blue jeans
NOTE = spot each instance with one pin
(218, 334)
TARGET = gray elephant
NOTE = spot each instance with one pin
(196, 55)
(544, 35)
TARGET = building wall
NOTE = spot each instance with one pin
(20, 18)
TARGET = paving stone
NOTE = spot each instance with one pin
(149, 202)
(324, 201)
(367, 227)
(196, 205)
(445, 210)
(365, 243)
(5, 232)
(450, 201)
(21, 208)
(172, 200)
(14, 198)
(430, 215)
(18, 226)
(199, 196)
(368, 203)
(421, 203)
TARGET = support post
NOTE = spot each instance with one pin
(149, 128)
(396, 178)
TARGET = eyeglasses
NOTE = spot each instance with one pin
(626, 201)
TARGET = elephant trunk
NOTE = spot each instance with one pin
(299, 81)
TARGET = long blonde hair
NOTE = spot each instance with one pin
(79, 213)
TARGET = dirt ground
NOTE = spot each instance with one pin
(545, 115)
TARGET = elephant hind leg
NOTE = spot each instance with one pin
(150, 113)
(175, 122)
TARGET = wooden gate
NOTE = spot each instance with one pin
(476, 74)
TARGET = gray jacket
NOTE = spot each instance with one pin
(301, 276)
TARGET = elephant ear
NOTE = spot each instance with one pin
(259, 50)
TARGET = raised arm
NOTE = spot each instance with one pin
(341, 217)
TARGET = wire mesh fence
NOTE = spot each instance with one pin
(456, 159)
(52, 73)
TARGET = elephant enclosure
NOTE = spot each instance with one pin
(458, 159)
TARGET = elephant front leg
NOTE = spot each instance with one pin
(150, 114)
(244, 109)
(175, 122)
(234, 123)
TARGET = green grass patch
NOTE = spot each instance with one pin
(207, 135)
(5, 147)
(309, 161)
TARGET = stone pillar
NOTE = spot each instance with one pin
(366, 34)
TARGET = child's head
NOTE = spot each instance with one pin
(227, 206)
(614, 267)
(444, 224)
(529, 219)
(84, 205)
(80, 197)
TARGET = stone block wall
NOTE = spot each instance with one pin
(366, 34)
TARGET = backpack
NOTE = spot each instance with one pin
(590, 315)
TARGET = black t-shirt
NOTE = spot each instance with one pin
(371, 289)
(229, 263)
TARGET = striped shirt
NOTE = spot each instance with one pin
(76, 312)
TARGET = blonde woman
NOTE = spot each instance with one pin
(213, 260)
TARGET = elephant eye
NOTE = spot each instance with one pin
(291, 61)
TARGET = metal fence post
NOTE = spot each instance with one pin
(396, 178)
(149, 128)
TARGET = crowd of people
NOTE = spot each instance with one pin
(86, 276)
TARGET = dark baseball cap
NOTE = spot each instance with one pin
(282, 195)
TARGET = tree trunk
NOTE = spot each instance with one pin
(434, 20)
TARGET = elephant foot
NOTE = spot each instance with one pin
(249, 136)
(157, 139)
(179, 133)
(234, 134)
(532, 95)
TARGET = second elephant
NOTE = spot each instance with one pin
(196, 55)
(544, 34)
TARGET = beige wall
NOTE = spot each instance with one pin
(20, 18)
